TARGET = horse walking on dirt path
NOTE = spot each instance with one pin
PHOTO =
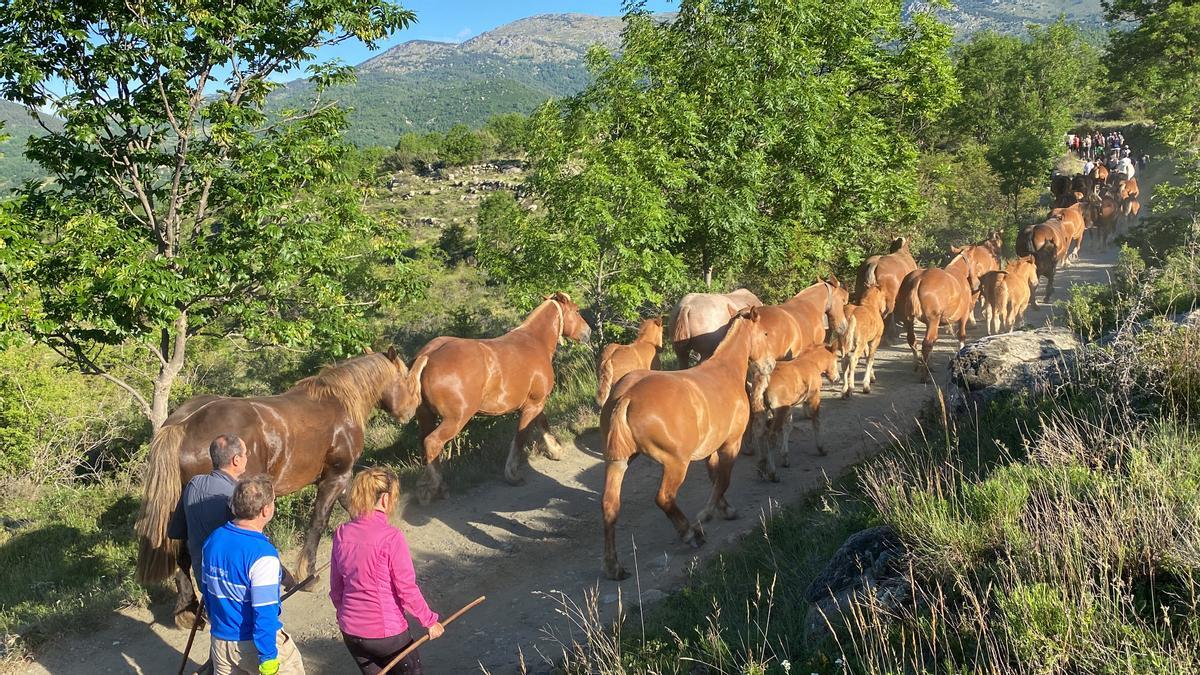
(617, 360)
(796, 382)
(678, 417)
(1047, 243)
(312, 433)
(862, 339)
(699, 322)
(933, 297)
(496, 376)
(886, 272)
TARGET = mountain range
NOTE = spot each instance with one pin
(422, 85)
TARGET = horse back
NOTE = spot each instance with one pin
(683, 412)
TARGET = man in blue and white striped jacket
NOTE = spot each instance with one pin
(242, 573)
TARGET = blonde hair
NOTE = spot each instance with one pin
(369, 485)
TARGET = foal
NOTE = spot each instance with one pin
(642, 354)
(1006, 294)
(795, 382)
(862, 338)
(678, 417)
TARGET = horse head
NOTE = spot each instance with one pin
(652, 330)
(402, 396)
(898, 244)
(572, 325)
(762, 357)
(835, 306)
(872, 298)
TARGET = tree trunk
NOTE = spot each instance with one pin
(173, 352)
(708, 272)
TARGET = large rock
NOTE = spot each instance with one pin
(869, 563)
(1011, 362)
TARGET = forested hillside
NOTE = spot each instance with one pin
(19, 126)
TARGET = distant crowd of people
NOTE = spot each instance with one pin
(1111, 149)
(372, 583)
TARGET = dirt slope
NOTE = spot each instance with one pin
(509, 543)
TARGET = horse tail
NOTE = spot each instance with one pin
(618, 442)
(869, 273)
(156, 553)
(679, 329)
(605, 381)
(1024, 244)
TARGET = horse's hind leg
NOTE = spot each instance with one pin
(614, 474)
(186, 604)
(683, 354)
(720, 469)
(931, 335)
(766, 429)
(674, 471)
(869, 376)
(912, 343)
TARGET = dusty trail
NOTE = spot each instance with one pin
(510, 543)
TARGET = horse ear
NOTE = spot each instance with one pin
(753, 314)
(956, 249)
(658, 321)
(391, 353)
(368, 350)
(562, 297)
(833, 280)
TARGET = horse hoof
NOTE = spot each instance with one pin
(513, 479)
(730, 513)
(424, 496)
(845, 396)
(785, 461)
(747, 450)
(186, 619)
(695, 537)
(820, 451)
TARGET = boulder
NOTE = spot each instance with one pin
(1011, 362)
(869, 563)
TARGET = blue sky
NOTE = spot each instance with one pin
(458, 20)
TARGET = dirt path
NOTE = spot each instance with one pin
(512, 543)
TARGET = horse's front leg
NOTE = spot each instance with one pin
(516, 450)
(333, 483)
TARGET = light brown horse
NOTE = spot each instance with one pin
(985, 256)
(699, 322)
(642, 354)
(496, 376)
(862, 338)
(678, 417)
(933, 297)
(1073, 227)
(1047, 243)
(886, 272)
(794, 382)
(312, 433)
(1100, 173)
(1106, 218)
(1007, 294)
(1127, 192)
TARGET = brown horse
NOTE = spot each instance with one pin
(1060, 186)
(1100, 173)
(794, 382)
(1106, 218)
(933, 297)
(1047, 243)
(1127, 192)
(642, 354)
(699, 322)
(678, 417)
(1073, 227)
(886, 272)
(312, 433)
(496, 376)
(1007, 293)
(862, 338)
(985, 256)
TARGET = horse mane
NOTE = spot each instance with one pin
(357, 384)
(735, 324)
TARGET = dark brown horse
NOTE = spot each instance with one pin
(497, 376)
(886, 272)
(312, 433)
(678, 417)
(933, 297)
(1047, 243)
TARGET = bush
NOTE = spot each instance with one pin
(462, 146)
(511, 131)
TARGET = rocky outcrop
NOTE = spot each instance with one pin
(867, 567)
(1030, 361)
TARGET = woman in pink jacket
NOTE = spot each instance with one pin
(372, 582)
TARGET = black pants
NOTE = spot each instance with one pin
(373, 654)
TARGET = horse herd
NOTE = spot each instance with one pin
(755, 364)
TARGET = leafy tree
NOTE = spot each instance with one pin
(747, 139)
(1158, 62)
(461, 145)
(511, 131)
(1020, 96)
(179, 208)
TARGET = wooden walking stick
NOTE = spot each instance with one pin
(425, 638)
(290, 592)
(192, 636)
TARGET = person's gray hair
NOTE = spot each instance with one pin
(224, 448)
